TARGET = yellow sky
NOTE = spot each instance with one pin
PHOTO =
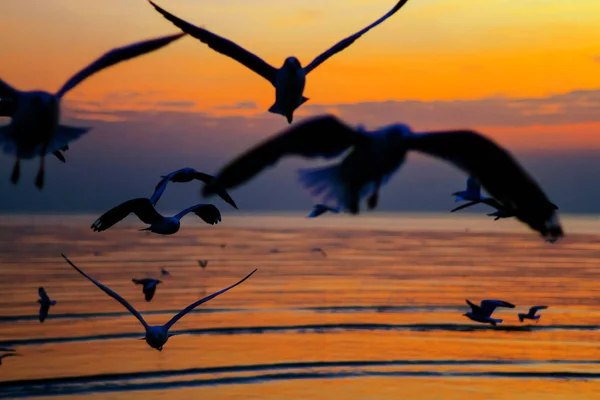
(431, 49)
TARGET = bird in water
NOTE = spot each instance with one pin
(290, 79)
(148, 286)
(531, 314)
(45, 304)
(156, 336)
(320, 209)
(7, 355)
(376, 155)
(483, 312)
(203, 263)
(145, 211)
(35, 129)
(188, 175)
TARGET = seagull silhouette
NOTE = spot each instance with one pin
(148, 286)
(290, 79)
(483, 312)
(472, 193)
(45, 304)
(156, 336)
(34, 129)
(203, 263)
(531, 313)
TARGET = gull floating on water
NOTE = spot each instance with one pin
(188, 175)
(203, 263)
(146, 212)
(290, 79)
(149, 286)
(34, 129)
(483, 313)
(156, 336)
(531, 313)
(320, 209)
(7, 355)
(45, 304)
(377, 155)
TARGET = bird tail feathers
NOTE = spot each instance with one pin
(326, 181)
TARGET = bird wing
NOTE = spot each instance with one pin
(149, 291)
(351, 39)
(469, 204)
(202, 177)
(8, 106)
(206, 178)
(44, 308)
(473, 186)
(159, 189)
(116, 56)
(474, 307)
(488, 306)
(140, 207)
(318, 210)
(65, 135)
(207, 212)
(111, 293)
(324, 136)
(59, 155)
(7, 91)
(43, 295)
(535, 309)
(223, 46)
(189, 308)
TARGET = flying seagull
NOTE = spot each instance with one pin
(483, 313)
(501, 211)
(531, 313)
(164, 272)
(146, 212)
(472, 193)
(156, 336)
(148, 286)
(188, 175)
(34, 129)
(289, 80)
(320, 209)
(203, 263)
(377, 155)
(45, 304)
(7, 355)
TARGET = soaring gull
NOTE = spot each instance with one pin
(145, 211)
(148, 286)
(320, 209)
(34, 129)
(45, 304)
(531, 314)
(156, 336)
(290, 79)
(483, 312)
(376, 155)
(188, 175)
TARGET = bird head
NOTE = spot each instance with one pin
(292, 62)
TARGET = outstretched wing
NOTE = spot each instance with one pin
(116, 56)
(535, 309)
(324, 136)
(497, 171)
(223, 46)
(189, 308)
(159, 189)
(474, 307)
(207, 212)
(140, 207)
(109, 292)
(43, 296)
(488, 306)
(149, 291)
(206, 178)
(351, 39)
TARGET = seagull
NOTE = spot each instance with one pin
(483, 313)
(531, 313)
(376, 155)
(156, 336)
(290, 79)
(164, 272)
(149, 286)
(320, 209)
(473, 192)
(319, 250)
(187, 175)
(501, 211)
(45, 304)
(34, 129)
(203, 263)
(146, 212)
(7, 355)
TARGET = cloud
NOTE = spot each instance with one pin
(175, 104)
(241, 105)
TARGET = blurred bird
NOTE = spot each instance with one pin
(45, 304)
(34, 129)
(483, 313)
(156, 336)
(164, 272)
(149, 286)
(203, 263)
(320, 209)
(376, 155)
(290, 79)
(531, 314)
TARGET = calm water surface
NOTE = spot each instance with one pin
(379, 316)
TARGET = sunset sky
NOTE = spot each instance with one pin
(527, 73)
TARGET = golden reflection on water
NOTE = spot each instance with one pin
(294, 293)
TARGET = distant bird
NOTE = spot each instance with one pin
(319, 250)
(472, 193)
(378, 154)
(45, 304)
(34, 129)
(156, 336)
(501, 211)
(531, 314)
(483, 313)
(223, 245)
(320, 209)
(164, 272)
(7, 355)
(188, 175)
(203, 263)
(149, 286)
(289, 80)
(146, 212)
